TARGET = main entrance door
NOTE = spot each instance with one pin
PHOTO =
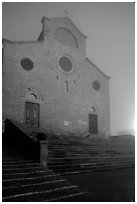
(32, 114)
(93, 123)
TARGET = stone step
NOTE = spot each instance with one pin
(20, 164)
(74, 148)
(88, 157)
(43, 195)
(60, 168)
(11, 155)
(100, 162)
(59, 153)
(16, 159)
(91, 150)
(22, 189)
(12, 169)
(93, 169)
(31, 174)
(93, 163)
(13, 187)
(85, 169)
(100, 149)
(92, 144)
(77, 197)
(31, 180)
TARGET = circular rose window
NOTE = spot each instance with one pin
(96, 85)
(65, 64)
(27, 64)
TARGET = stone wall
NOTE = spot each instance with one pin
(60, 111)
(65, 99)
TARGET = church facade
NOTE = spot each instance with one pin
(51, 84)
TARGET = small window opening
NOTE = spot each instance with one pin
(66, 86)
(57, 76)
(74, 81)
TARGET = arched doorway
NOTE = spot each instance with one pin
(32, 110)
(93, 121)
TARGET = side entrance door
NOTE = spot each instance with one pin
(32, 114)
(93, 123)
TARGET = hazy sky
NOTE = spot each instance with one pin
(110, 28)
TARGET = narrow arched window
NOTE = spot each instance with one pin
(66, 86)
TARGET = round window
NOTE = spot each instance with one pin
(65, 64)
(96, 85)
(27, 64)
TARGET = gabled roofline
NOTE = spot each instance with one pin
(97, 68)
(66, 17)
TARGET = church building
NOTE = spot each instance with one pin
(50, 84)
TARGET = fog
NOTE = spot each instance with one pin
(110, 28)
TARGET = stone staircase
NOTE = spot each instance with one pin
(71, 155)
(25, 180)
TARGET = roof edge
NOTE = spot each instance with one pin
(10, 41)
(108, 77)
(4, 39)
(76, 27)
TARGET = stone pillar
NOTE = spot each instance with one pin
(43, 152)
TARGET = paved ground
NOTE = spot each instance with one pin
(108, 186)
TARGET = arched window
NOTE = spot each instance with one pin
(66, 37)
(93, 109)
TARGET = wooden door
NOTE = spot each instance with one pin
(32, 114)
(93, 123)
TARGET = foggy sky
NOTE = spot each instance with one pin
(110, 29)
